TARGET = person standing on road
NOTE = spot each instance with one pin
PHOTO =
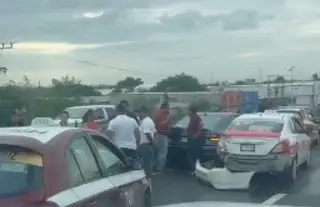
(162, 124)
(64, 119)
(146, 148)
(194, 132)
(88, 120)
(128, 112)
(124, 132)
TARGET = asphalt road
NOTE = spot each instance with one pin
(178, 186)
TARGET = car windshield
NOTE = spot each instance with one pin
(76, 113)
(21, 171)
(256, 125)
(214, 122)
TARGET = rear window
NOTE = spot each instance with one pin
(256, 125)
(76, 113)
(297, 114)
(21, 171)
(111, 112)
(214, 122)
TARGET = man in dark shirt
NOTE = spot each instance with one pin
(16, 119)
(194, 132)
(128, 112)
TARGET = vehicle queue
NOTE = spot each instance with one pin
(52, 165)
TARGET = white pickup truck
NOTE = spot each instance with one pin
(102, 113)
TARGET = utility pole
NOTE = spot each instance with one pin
(5, 46)
(291, 69)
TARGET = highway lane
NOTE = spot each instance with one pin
(176, 187)
(306, 191)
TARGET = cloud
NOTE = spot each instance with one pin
(249, 55)
(96, 21)
(51, 48)
(171, 36)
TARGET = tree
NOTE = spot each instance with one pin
(71, 87)
(178, 83)
(129, 84)
(279, 79)
(315, 77)
(240, 82)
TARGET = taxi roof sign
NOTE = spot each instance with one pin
(43, 121)
(270, 111)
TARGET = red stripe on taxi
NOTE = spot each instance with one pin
(252, 134)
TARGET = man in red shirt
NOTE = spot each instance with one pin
(162, 125)
(195, 139)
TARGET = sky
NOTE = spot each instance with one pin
(212, 40)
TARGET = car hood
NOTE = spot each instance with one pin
(217, 204)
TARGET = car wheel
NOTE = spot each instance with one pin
(306, 163)
(290, 173)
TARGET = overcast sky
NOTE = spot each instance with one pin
(210, 39)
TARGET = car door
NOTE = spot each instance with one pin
(303, 140)
(85, 175)
(132, 184)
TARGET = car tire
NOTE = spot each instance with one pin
(290, 173)
(305, 164)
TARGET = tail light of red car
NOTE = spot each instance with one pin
(282, 148)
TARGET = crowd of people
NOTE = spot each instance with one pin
(137, 134)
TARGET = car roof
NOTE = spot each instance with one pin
(290, 109)
(91, 106)
(215, 113)
(266, 116)
(41, 134)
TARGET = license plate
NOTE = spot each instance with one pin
(247, 147)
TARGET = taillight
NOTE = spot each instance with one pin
(282, 148)
(222, 145)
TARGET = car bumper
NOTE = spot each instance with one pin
(208, 151)
(223, 179)
(265, 163)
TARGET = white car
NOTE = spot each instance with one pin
(306, 118)
(275, 143)
(102, 113)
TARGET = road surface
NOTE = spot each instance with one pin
(176, 187)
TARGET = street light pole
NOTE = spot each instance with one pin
(291, 69)
(5, 46)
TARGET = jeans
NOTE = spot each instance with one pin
(161, 150)
(194, 151)
(146, 153)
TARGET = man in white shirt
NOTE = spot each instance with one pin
(146, 148)
(124, 132)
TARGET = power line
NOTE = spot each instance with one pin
(117, 68)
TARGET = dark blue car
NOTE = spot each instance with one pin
(215, 124)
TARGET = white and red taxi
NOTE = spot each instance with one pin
(53, 166)
(265, 143)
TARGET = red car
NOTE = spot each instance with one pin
(67, 167)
